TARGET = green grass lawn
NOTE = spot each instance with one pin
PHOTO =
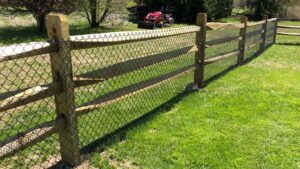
(36, 71)
(249, 118)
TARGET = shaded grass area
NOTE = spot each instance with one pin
(22, 34)
(247, 122)
(21, 28)
(27, 32)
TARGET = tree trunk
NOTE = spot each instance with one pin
(258, 10)
(41, 22)
(94, 14)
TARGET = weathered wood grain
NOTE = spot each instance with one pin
(288, 27)
(24, 50)
(288, 34)
(242, 42)
(61, 66)
(219, 25)
(23, 97)
(220, 58)
(200, 54)
(29, 137)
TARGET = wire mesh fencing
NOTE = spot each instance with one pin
(230, 47)
(60, 98)
(125, 68)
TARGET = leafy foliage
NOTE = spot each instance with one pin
(217, 9)
(267, 7)
(98, 10)
(39, 8)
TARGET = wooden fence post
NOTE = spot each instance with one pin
(264, 34)
(61, 64)
(275, 31)
(242, 43)
(200, 54)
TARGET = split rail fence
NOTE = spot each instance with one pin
(290, 28)
(288, 35)
(59, 98)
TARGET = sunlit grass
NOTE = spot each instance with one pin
(247, 119)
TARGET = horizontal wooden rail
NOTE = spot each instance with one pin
(131, 90)
(131, 65)
(254, 33)
(288, 27)
(254, 44)
(29, 137)
(25, 50)
(109, 39)
(219, 25)
(23, 97)
(270, 35)
(82, 81)
(288, 34)
(256, 23)
(222, 40)
(272, 20)
(221, 57)
(271, 28)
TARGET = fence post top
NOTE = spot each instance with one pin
(57, 26)
(244, 19)
(201, 19)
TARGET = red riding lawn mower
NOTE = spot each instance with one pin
(156, 20)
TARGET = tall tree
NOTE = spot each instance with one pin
(39, 8)
(267, 7)
(217, 9)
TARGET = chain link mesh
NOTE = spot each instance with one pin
(18, 78)
(99, 63)
(113, 84)
(253, 40)
(215, 69)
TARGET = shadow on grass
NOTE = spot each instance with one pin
(120, 134)
(10, 35)
(288, 43)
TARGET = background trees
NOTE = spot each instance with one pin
(97, 10)
(217, 9)
(256, 9)
(266, 7)
(186, 10)
(39, 8)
